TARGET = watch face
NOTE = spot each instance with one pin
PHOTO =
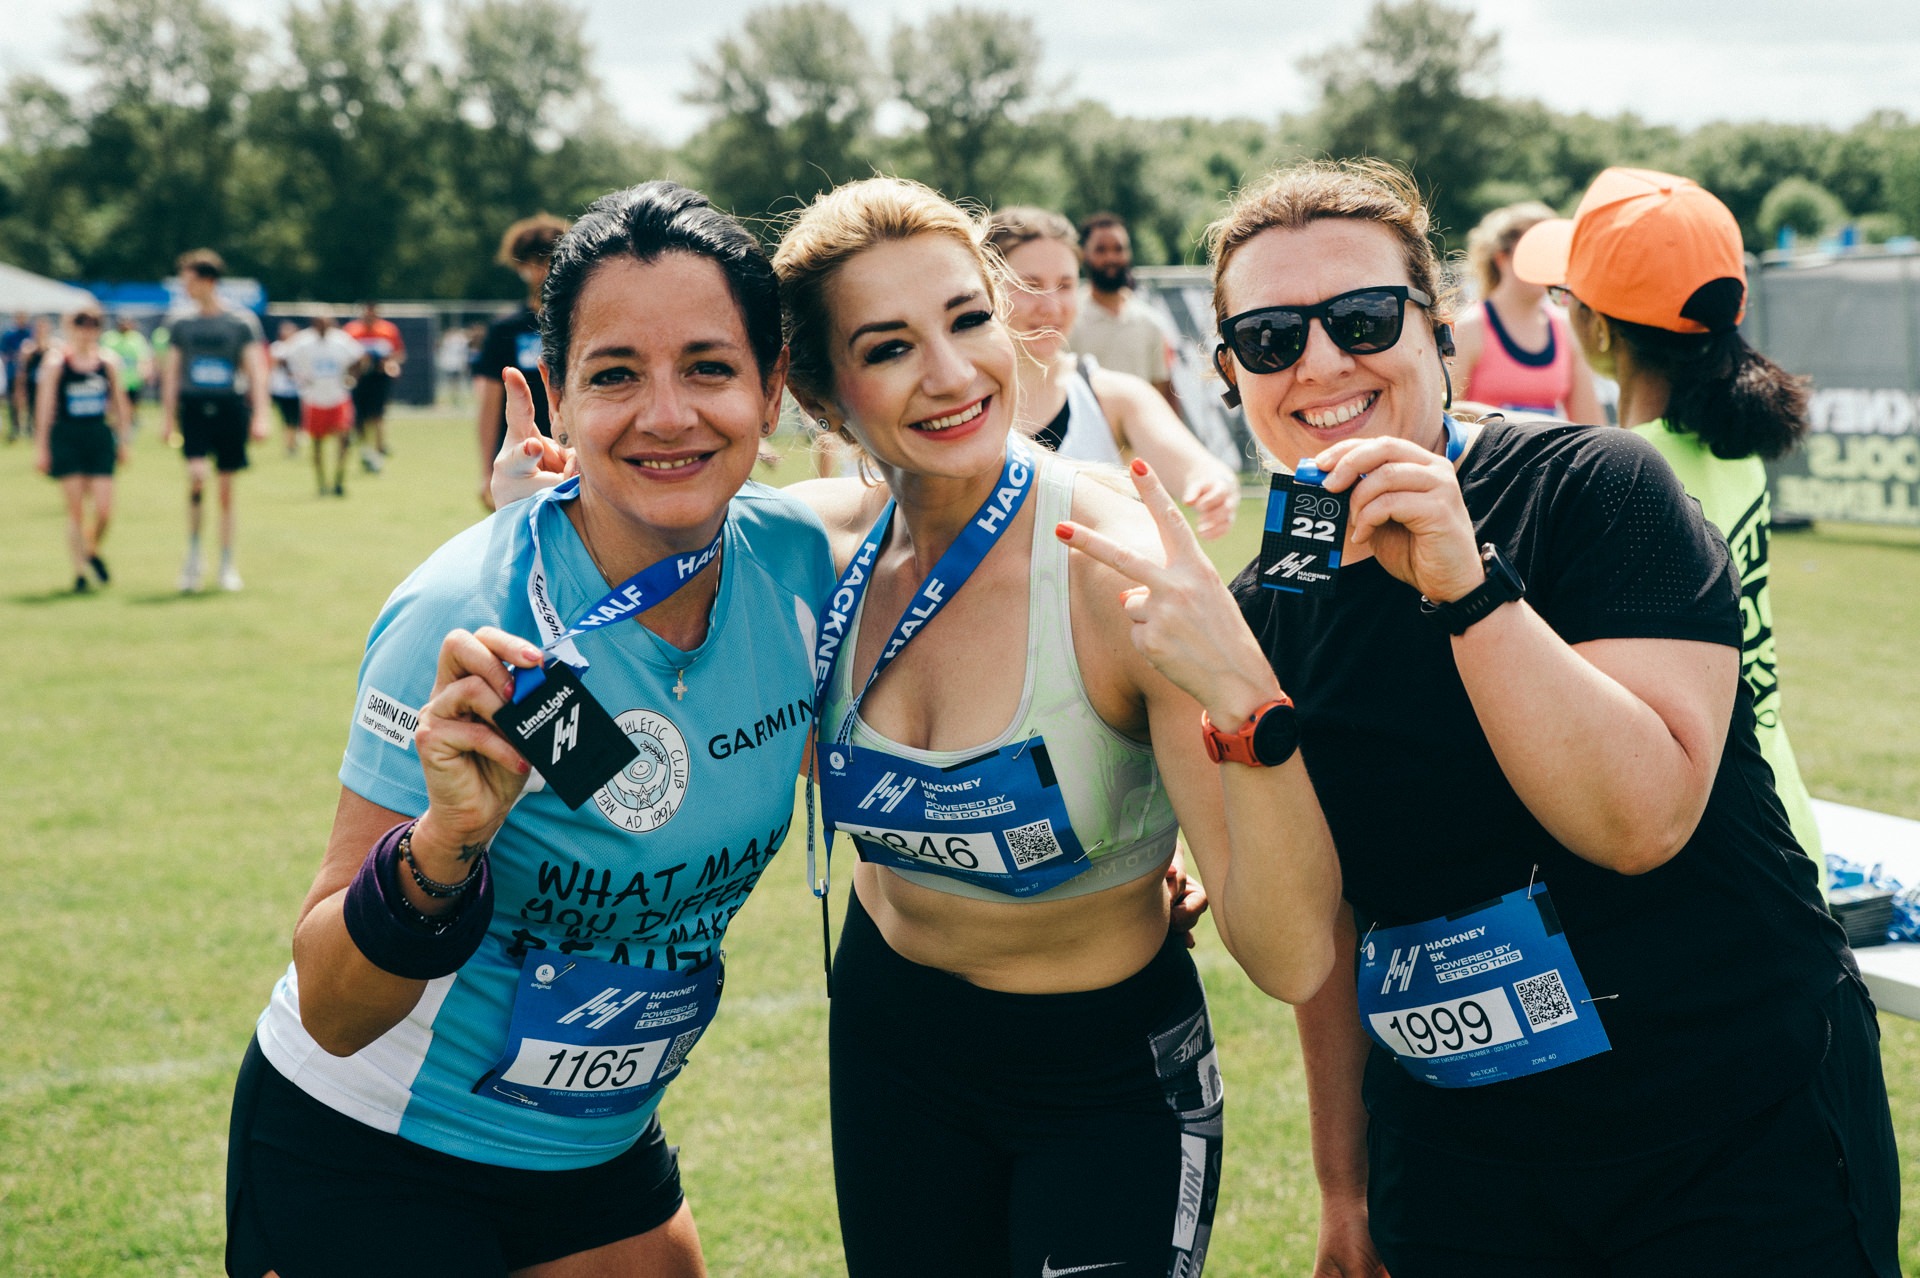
(1276, 736)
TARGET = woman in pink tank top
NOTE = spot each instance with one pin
(1515, 349)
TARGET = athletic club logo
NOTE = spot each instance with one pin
(647, 792)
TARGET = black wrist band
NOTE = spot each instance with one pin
(393, 935)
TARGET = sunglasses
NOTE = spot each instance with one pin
(86, 321)
(1562, 296)
(1363, 322)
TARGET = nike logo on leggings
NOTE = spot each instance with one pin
(1048, 1271)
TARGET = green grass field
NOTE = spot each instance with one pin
(167, 775)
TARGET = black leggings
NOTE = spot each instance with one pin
(978, 1133)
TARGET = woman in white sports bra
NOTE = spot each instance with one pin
(1024, 1078)
(1071, 404)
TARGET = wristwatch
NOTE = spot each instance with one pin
(1266, 740)
(1503, 585)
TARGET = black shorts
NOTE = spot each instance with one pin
(289, 406)
(217, 425)
(312, 1193)
(980, 1133)
(1808, 1186)
(84, 447)
(370, 396)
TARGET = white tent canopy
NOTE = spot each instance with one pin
(36, 294)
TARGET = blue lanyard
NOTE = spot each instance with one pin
(954, 569)
(651, 586)
(952, 572)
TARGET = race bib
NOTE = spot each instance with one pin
(590, 1039)
(1473, 998)
(209, 372)
(87, 397)
(997, 821)
(526, 351)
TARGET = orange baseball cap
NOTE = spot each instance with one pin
(1646, 247)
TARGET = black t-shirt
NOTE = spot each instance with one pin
(514, 342)
(1706, 971)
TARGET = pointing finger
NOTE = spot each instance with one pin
(1101, 548)
(520, 419)
(1175, 535)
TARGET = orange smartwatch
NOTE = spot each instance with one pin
(1266, 740)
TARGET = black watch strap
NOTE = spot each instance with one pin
(1503, 585)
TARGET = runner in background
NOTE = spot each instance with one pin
(514, 340)
(26, 368)
(1071, 403)
(1114, 325)
(84, 427)
(280, 384)
(12, 338)
(1654, 274)
(135, 354)
(322, 362)
(214, 389)
(1514, 349)
(386, 352)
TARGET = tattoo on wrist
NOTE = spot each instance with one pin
(468, 851)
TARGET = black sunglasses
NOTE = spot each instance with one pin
(1562, 296)
(1363, 322)
(86, 321)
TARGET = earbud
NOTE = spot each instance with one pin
(1230, 397)
(1443, 338)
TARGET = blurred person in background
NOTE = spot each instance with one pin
(386, 352)
(83, 429)
(1114, 325)
(513, 341)
(1514, 350)
(281, 388)
(26, 367)
(213, 388)
(1074, 405)
(135, 354)
(12, 338)
(1654, 275)
(323, 361)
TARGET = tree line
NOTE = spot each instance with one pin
(347, 153)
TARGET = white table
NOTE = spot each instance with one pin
(1892, 971)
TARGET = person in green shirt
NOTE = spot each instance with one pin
(136, 357)
(1653, 273)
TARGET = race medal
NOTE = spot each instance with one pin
(1472, 998)
(996, 821)
(564, 733)
(591, 1039)
(1305, 530)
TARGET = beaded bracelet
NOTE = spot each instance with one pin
(434, 887)
(393, 935)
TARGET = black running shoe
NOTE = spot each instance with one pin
(79, 585)
(99, 567)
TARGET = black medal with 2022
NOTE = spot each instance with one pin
(567, 736)
(1305, 530)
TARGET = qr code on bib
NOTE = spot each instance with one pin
(1545, 1001)
(1032, 844)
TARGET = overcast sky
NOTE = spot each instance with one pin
(1682, 62)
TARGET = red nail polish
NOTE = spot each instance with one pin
(1063, 531)
(1139, 466)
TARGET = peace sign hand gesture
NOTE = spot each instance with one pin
(528, 461)
(1185, 622)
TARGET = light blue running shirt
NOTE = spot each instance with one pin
(648, 873)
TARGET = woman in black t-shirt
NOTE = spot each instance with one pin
(1590, 1017)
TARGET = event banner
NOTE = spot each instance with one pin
(1853, 326)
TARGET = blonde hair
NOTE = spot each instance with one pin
(1357, 190)
(839, 226)
(1497, 233)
